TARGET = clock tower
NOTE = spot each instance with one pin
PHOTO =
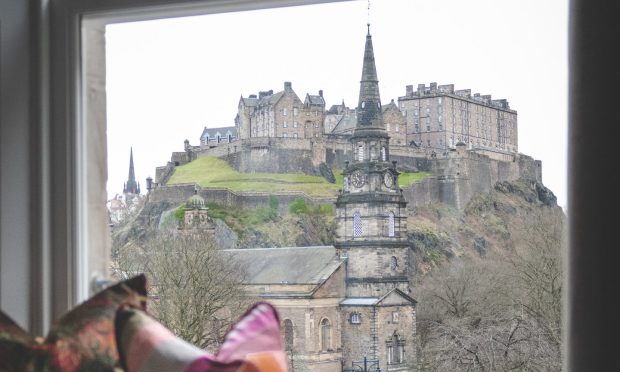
(370, 209)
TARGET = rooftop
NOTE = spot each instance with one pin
(290, 265)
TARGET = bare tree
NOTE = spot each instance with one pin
(196, 290)
(497, 315)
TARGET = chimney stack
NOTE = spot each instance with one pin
(321, 92)
(288, 86)
(409, 90)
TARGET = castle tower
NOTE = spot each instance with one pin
(131, 187)
(378, 315)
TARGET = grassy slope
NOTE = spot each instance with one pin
(213, 172)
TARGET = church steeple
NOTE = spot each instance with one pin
(131, 187)
(369, 114)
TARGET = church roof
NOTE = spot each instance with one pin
(291, 265)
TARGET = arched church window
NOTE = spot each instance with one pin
(326, 329)
(288, 334)
(360, 153)
(395, 349)
(357, 224)
(391, 228)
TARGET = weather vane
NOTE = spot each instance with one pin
(368, 24)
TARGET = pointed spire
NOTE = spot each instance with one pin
(369, 106)
(131, 187)
(132, 174)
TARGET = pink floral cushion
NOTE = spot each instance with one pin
(253, 345)
(82, 340)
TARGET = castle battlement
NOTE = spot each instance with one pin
(434, 90)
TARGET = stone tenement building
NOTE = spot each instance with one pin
(438, 117)
(281, 114)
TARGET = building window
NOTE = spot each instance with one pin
(395, 316)
(288, 334)
(388, 126)
(285, 111)
(383, 153)
(295, 124)
(396, 127)
(284, 134)
(326, 329)
(391, 224)
(357, 224)
(285, 124)
(428, 142)
(356, 318)
(295, 111)
(294, 135)
(395, 349)
(360, 153)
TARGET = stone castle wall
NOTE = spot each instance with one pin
(178, 194)
(456, 174)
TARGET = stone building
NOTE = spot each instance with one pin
(214, 136)
(439, 117)
(306, 284)
(395, 124)
(282, 114)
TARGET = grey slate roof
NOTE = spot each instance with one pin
(347, 123)
(315, 100)
(293, 265)
(212, 132)
(359, 301)
(251, 102)
(384, 108)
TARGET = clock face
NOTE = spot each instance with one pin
(388, 179)
(357, 179)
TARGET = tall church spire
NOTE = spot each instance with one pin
(131, 187)
(369, 106)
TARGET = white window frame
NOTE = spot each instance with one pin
(74, 127)
(54, 241)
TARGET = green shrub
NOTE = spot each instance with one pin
(325, 209)
(179, 213)
(298, 206)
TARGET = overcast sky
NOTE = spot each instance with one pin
(168, 79)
